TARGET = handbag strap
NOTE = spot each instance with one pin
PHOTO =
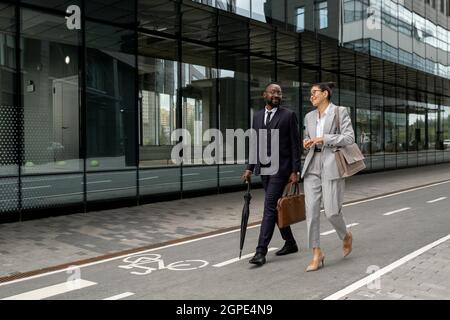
(338, 122)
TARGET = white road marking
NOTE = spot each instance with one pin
(38, 187)
(51, 291)
(190, 174)
(120, 296)
(101, 181)
(225, 263)
(396, 211)
(369, 279)
(148, 178)
(199, 239)
(436, 200)
(333, 231)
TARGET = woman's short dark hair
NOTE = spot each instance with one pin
(325, 86)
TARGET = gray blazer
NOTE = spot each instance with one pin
(331, 139)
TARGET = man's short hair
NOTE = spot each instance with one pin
(271, 83)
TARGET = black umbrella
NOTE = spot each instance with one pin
(245, 215)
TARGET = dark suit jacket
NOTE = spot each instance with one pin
(286, 122)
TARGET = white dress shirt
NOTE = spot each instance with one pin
(321, 122)
(271, 115)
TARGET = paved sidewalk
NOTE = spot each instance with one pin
(36, 244)
(426, 277)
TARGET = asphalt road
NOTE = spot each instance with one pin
(385, 229)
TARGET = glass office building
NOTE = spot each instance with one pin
(91, 90)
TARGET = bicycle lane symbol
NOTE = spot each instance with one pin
(149, 262)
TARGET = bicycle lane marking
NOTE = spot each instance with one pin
(143, 262)
(123, 256)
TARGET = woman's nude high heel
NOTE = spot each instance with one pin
(316, 264)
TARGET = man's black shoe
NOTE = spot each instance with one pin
(258, 259)
(287, 248)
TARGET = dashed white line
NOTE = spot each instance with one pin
(190, 174)
(436, 200)
(148, 178)
(225, 263)
(120, 296)
(395, 211)
(51, 291)
(101, 181)
(369, 279)
(38, 187)
(333, 231)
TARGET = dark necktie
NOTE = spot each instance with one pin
(269, 113)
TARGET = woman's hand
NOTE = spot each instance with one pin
(308, 143)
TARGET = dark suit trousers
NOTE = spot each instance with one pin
(273, 187)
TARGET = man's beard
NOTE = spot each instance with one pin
(273, 103)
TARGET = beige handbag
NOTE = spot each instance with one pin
(291, 206)
(349, 159)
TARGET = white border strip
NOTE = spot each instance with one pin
(365, 281)
(51, 291)
(120, 296)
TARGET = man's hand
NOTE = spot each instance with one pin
(293, 177)
(246, 176)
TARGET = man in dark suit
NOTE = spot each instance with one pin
(273, 116)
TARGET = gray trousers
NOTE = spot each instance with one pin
(332, 194)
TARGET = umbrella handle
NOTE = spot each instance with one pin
(248, 185)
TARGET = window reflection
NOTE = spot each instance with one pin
(158, 83)
(50, 94)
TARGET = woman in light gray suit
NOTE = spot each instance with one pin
(320, 172)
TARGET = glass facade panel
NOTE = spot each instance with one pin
(390, 128)
(376, 124)
(158, 88)
(413, 129)
(431, 128)
(233, 95)
(111, 100)
(51, 109)
(401, 128)
(322, 14)
(10, 123)
(362, 128)
(199, 78)
(421, 129)
(445, 120)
